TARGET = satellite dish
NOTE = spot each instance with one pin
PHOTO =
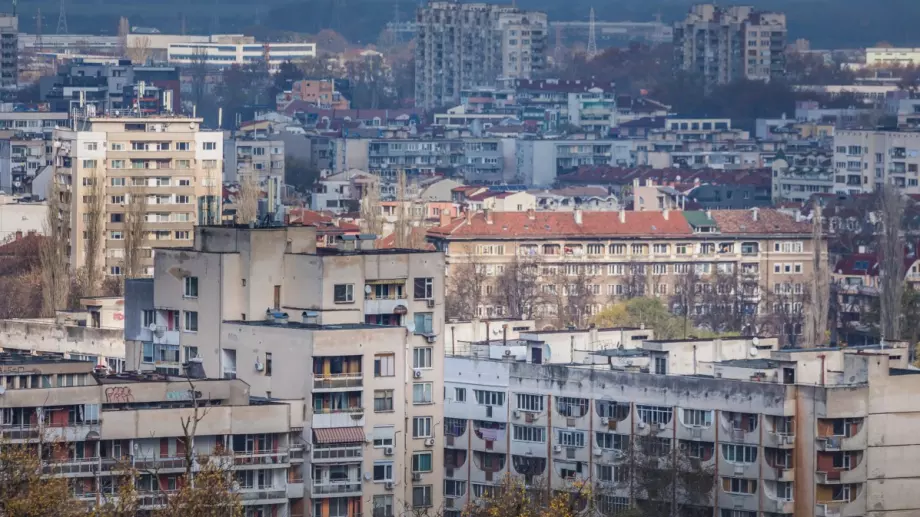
(754, 351)
(2, 390)
(367, 289)
(410, 325)
(755, 340)
(152, 327)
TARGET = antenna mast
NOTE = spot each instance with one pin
(62, 18)
(39, 45)
(592, 37)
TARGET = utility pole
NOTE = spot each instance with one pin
(39, 45)
(62, 18)
(592, 37)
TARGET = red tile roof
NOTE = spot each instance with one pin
(389, 242)
(324, 223)
(517, 225)
(847, 265)
(606, 175)
(769, 221)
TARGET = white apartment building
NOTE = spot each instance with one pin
(865, 159)
(259, 160)
(892, 56)
(814, 432)
(26, 149)
(524, 36)
(223, 55)
(9, 51)
(170, 160)
(107, 420)
(539, 162)
(356, 333)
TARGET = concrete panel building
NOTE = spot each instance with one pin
(9, 51)
(866, 159)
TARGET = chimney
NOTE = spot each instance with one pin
(18, 235)
(469, 215)
(665, 213)
(708, 214)
(445, 217)
(635, 184)
(488, 216)
(754, 213)
(622, 215)
(648, 183)
(578, 216)
(531, 214)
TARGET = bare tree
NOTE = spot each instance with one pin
(517, 289)
(816, 323)
(637, 280)
(786, 304)
(198, 70)
(123, 30)
(668, 476)
(247, 202)
(467, 284)
(686, 293)
(573, 296)
(890, 209)
(371, 218)
(94, 228)
(135, 232)
(54, 252)
(138, 49)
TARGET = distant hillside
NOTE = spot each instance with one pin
(827, 23)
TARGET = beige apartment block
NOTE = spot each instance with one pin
(866, 159)
(355, 332)
(169, 161)
(106, 421)
(783, 432)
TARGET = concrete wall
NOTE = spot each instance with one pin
(45, 336)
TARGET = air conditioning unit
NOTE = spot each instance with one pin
(507, 353)
(557, 448)
(430, 303)
(662, 426)
(598, 451)
(388, 451)
(605, 421)
(641, 425)
(449, 472)
(417, 374)
(448, 502)
(429, 442)
(516, 414)
(431, 339)
(416, 476)
(389, 485)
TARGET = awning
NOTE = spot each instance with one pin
(386, 281)
(338, 435)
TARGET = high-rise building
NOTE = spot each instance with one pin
(169, 160)
(466, 45)
(356, 333)
(9, 51)
(724, 44)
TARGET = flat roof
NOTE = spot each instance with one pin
(876, 346)
(623, 352)
(569, 331)
(7, 359)
(697, 340)
(310, 326)
(759, 363)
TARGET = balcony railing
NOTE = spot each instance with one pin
(339, 380)
(337, 454)
(260, 458)
(255, 494)
(71, 466)
(352, 485)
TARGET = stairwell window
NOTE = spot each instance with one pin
(423, 288)
(343, 293)
(191, 287)
(191, 321)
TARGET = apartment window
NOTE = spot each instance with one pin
(117, 236)
(183, 200)
(383, 436)
(739, 485)
(421, 462)
(383, 506)
(147, 353)
(421, 427)
(528, 402)
(639, 249)
(344, 293)
(116, 218)
(459, 394)
(489, 398)
(526, 433)
(209, 164)
(183, 164)
(191, 352)
(739, 453)
(117, 200)
(610, 473)
(118, 146)
(383, 471)
(661, 366)
(383, 400)
(611, 441)
(660, 249)
(654, 414)
(421, 393)
(384, 365)
(453, 488)
(423, 288)
(183, 235)
(567, 438)
(115, 270)
(697, 418)
(117, 182)
(617, 249)
(573, 407)
(117, 164)
(421, 496)
(149, 317)
(424, 322)
(89, 164)
(421, 357)
(191, 287)
(209, 146)
(191, 321)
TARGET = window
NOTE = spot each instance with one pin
(191, 352)
(424, 322)
(660, 249)
(209, 146)
(421, 393)
(183, 200)
(191, 287)
(116, 218)
(89, 164)
(383, 436)
(421, 496)
(489, 398)
(661, 365)
(526, 402)
(384, 365)
(421, 462)
(383, 471)
(454, 488)
(459, 394)
(739, 485)
(118, 146)
(344, 293)
(191, 321)
(149, 317)
(611, 441)
(611, 474)
(617, 249)
(383, 506)
(573, 407)
(739, 453)
(567, 438)
(526, 433)
(421, 427)
(117, 182)
(421, 357)
(424, 288)
(147, 353)
(697, 418)
(654, 414)
(383, 400)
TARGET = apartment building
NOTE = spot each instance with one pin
(225, 55)
(9, 51)
(321, 92)
(356, 333)
(540, 162)
(590, 105)
(260, 160)
(892, 56)
(780, 432)
(866, 159)
(169, 160)
(466, 45)
(112, 86)
(106, 421)
(724, 44)
(798, 177)
(643, 253)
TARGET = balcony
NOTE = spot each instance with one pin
(347, 488)
(260, 458)
(266, 495)
(338, 381)
(70, 432)
(340, 418)
(338, 455)
(71, 467)
(771, 505)
(19, 432)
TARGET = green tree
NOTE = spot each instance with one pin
(299, 174)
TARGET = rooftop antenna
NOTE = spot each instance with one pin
(558, 51)
(15, 5)
(62, 18)
(215, 18)
(182, 27)
(38, 30)
(592, 37)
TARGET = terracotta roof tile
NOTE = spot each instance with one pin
(516, 225)
(769, 221)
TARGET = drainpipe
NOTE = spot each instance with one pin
(822, 357)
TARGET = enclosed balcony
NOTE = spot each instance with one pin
(845, 467)
(455, 463)
(739, 460)
(385, 296)
(739, 427)
(781, 464)
(530, 467)
(841, 434)
(337, 373)
(654, 420)
(489, 467)
(695, 424)
(455, 432)
(779, 431)
(612, 415)
(490, 436)
(336, 480)
(840, 500)
(338, 409)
